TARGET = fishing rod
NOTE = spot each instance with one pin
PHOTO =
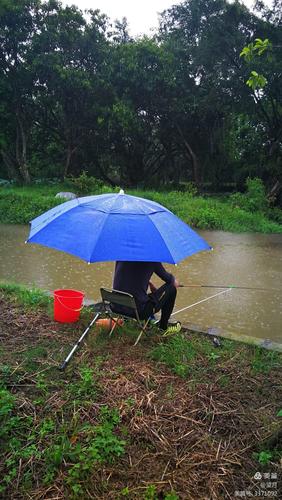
(231, 286)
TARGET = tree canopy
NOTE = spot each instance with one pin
(77, 94)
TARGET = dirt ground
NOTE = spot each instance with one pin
(186, 437)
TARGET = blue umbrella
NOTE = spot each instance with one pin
(111, 227)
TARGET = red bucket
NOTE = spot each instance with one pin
(67, 305)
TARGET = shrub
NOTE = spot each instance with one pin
(20, 208)
(85, 184)
(254, 199)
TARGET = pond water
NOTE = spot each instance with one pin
(251, 260)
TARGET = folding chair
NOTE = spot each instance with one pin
(111, 298)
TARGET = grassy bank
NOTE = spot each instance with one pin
(173, 419)
(20, 205)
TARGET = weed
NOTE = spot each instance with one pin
(263, 361)
(41, 384)
(86, 386)
(213, 356)
(130, 402)
(224, 381)
(104, 446)
(171, 496)
(177, 353)
(5, 372)
(263, 457)
(150, 492)
(124, 492)
(47, 427)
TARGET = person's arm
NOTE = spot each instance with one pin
(164, 275)
(152, 287)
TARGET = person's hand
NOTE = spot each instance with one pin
(176, 283)
(152, 287)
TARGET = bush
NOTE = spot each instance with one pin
(20, 208)
(254, 200)
(85, 184)
(275, 214)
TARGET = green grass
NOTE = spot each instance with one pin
(48, 443)
(196, 357)
(28, 297)
(20, 205)
(64, 427)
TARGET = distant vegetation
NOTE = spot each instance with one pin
(238, 212)
(78, 94)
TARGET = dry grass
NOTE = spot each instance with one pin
(192, 436)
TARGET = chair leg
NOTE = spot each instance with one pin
(142, 330)
(114, 324)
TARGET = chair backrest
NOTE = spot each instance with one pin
(116, 297)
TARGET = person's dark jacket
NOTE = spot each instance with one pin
(134, 277)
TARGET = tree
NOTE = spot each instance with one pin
(68, 57)
(18, 23)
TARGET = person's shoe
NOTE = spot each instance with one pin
(153, 321)
(172, 329)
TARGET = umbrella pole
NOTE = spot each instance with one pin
(76, 346)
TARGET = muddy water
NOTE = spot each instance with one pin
(252, 260)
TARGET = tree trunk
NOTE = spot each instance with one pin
(10, 166)
(21, 150)
(274, 191)
(191, 156)
(68, 162)
(70, 153)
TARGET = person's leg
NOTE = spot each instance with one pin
(162, 299)
(166, 303)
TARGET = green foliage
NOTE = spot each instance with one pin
(78, 95)
(204, 213)
(171, 496)
(254, 199)
(279, 414)
(177, 353)
(250, 52)
(264, 457)
(256, 81)
(275, 214)
(20, 208)
(29, 297)
(104, 446)
(85, 185)
(253, 49)
(263, 361)
(50, 443)
(197, 357)
(151, 492)
(85, 386)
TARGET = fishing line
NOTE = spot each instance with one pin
(200, 301)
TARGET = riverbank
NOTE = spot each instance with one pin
(21, 205)
(173, 419)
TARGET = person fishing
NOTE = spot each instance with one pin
(134, 278)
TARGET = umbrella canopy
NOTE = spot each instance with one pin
(112, 227)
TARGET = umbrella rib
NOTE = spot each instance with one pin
(102, 226)
(53, 220)
(56, 215)
(161, 237)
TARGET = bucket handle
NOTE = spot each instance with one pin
(69, 308)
